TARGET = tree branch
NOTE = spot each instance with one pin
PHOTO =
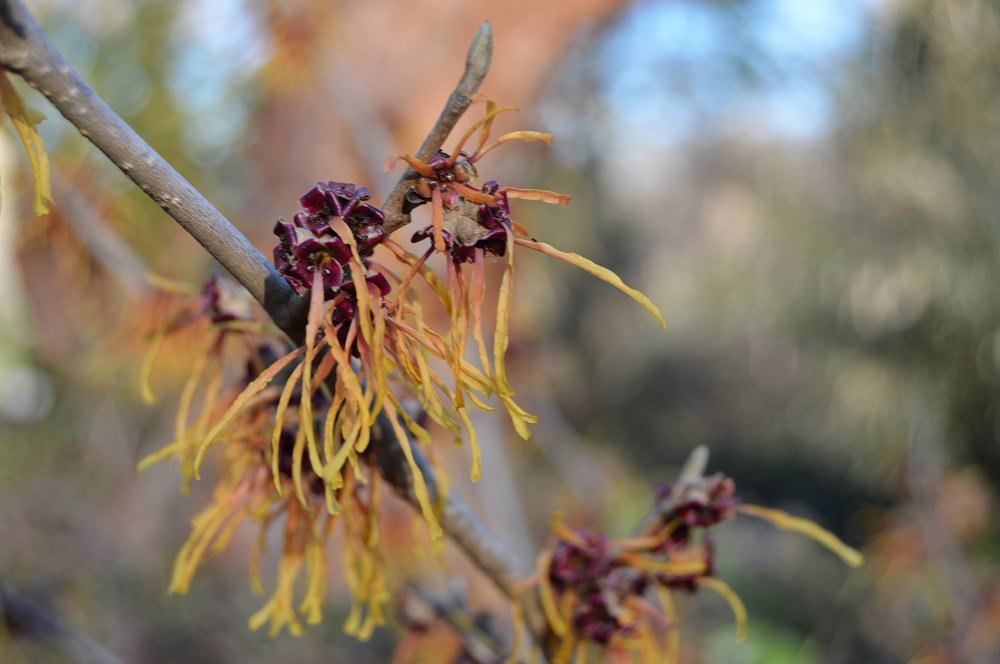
(27, 51)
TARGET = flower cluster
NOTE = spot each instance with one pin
(294, 429)
(262, 479)
(614, 594)
(469, 223)
(309, 243)
(338, 384)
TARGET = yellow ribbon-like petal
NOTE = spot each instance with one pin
(852, 557)
(602, 273)
(25, 119)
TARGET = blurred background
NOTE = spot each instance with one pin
(808, 190)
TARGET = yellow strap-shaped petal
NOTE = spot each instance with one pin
(602, 273)
(24, 120)
(253, 389)
(852, 557)
(735, 603)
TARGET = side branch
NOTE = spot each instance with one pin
(477, 64)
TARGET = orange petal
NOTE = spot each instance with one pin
(297, 453)
(307, 422)
(474, 195)
(547, 598)
(518, 416)
(486, 122)
(459, 328)
(279, 422)
(475, 472)
(253, 389)
(484, 131)
(653, 566)
(543, 195)
(437, 219)
(414, 163)
(523, 135)
(477, 295)
(519, 230)
(419, 485)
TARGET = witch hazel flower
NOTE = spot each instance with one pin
(470, 222)
(309, 243)
(382, 338)
(616, 595)
(380, 345)
(292, 428)
(291, 500)
(345, 362)
(363, 356)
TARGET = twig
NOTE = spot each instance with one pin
(477, 64)
(27, 51)
(22, 616)
(691, 477)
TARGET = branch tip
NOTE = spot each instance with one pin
(480, 54)
(696, 464)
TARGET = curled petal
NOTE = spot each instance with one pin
(734, 601)
(602, 273)
(485, 123)
(852, 557)
(546, 595)
(414, 163)
(523, 135)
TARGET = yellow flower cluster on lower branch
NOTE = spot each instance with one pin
(246, 491)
